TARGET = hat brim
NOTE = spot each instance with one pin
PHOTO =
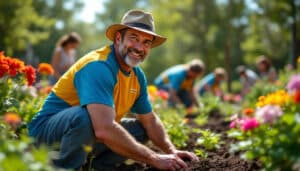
(111, 31)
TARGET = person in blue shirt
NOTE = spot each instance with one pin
(211, 83)
(178, 81)
(86, 107)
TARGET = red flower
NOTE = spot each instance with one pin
(45, 69)
(296, 96)
(30, 74)
(163, 94)
(4, 66)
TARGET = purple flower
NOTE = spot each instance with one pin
(249, 124)
(294, 83)
(268, 113)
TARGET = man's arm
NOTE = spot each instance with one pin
(173, 96)
(157, 134)
(120, 141)
(193, 98)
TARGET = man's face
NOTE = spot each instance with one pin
(134, 47)
(193, 75)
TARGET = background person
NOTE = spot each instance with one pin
(212, 82)
(266, 71)
(64, 55)
(179, 80)
(247, 77)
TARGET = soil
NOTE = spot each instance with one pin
(216, 160)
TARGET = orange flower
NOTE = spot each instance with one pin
(30, 74)
(10, 65)
(4, 66)
(15, 66)
(46, 90)
(45, 69)
(12, 119)
(248, 111)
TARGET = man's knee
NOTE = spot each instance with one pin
(135, 128)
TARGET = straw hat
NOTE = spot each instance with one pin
(220, 71)
(137, 20)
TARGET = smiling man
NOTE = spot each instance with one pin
(87, 105)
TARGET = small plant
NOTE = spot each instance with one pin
(176, 128)
(200, 153)
(209, 140)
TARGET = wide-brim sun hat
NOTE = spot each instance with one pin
(138, 20)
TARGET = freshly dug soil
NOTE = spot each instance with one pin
(217, 160)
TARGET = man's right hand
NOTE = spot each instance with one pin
(168, 162)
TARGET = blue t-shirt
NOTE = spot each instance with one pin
(208, 80)
(175, 78)
(97, 79)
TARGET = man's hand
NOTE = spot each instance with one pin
(186, 155)
(169, 162)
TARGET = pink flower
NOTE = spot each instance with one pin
(249, 124)
(233, 124)
(294, 82)
(268, 113)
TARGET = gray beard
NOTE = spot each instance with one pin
(130, 63)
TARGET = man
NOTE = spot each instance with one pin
(212, 82)
(178, 81)
(86, 105)
(247, 77)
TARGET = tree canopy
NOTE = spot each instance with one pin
(222, 33)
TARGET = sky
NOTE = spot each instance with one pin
(89, 10)
(92, 6)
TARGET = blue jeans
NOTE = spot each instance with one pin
(72, 129)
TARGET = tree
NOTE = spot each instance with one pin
(272, 29)
(20, 25)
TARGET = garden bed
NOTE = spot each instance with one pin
(219, 159)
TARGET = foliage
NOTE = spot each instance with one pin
(200, 153)
(175, 126)
(21, 25)
(209, 140)
(270, 133)
(209, 103)
(18, 104)
(18, 153)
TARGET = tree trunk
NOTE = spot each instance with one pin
(228, 65)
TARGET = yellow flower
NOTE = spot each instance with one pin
(298, 60)
(152, 90)
(279, 98)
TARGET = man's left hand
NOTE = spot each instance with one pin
(186, 155)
